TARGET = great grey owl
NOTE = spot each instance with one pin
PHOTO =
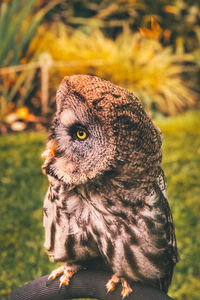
(106, 205)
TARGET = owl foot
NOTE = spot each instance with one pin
(126, 289)
(66, 271)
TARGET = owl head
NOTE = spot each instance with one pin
(99, 127)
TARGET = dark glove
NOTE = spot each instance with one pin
(84, 284)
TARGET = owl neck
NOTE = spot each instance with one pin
(133, 173)
(123, 179)
(114, 194)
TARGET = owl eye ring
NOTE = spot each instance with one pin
(81, 134)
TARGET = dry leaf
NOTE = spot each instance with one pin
(153, 33)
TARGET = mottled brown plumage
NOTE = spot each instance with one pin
(106, 206)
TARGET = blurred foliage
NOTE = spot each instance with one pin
(19, 21)
(180, 24)
(162, 66)
(141, 64)
(111, 16)
(23, 186)
(15, 89)
(180, 18)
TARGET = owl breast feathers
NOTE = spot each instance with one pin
(106, 200)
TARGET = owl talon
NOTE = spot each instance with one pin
(56, 273)
(126, 289)
(110, 285)
(66, 271)
(64, 280)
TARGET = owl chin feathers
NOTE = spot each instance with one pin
(64, 171)
(74, 171)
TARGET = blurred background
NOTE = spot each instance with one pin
(151, 47)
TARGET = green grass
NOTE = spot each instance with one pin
(181, 162)
(22, 189)
(23, 186)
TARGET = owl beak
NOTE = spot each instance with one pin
(53, 149)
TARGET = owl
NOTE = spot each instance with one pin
(106, 206)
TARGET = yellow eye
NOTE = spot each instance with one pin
(81, 134)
